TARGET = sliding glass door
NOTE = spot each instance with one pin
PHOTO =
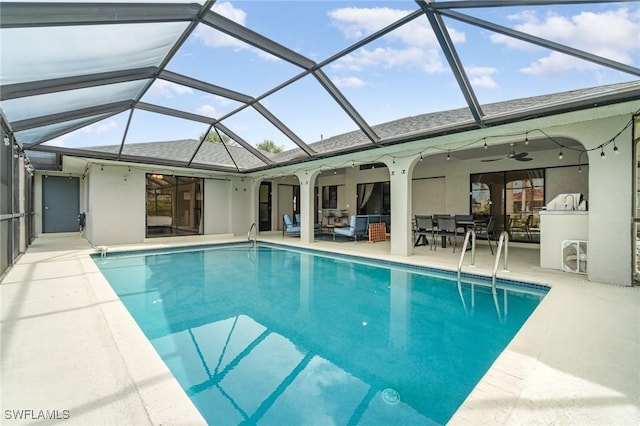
(174, 205)
(514, 198)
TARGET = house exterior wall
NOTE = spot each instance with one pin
(611, 243)
(116, 208)
(240, 208)
(217, 209)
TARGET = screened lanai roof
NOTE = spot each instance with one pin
(148, 81)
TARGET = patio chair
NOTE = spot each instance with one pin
(488, 232)
(518, 226)
(288, 226)
(424, 227)
(358, 227)
(464, 222)
(447, 228)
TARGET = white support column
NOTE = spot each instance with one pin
(254, 194)
(400, 172)
(610, 255)
(307, 183)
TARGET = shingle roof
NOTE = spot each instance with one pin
(231, 157)
(459, 119)
(181, 151)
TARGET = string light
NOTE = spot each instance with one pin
(448, 156)
(615, 148)
(560, 156)
(485, 143)
(602, 152)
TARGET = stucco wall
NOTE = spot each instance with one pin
(611, 241)
(116, 208)
(217, 213)
(240, 206)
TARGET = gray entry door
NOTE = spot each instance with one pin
(60, 204)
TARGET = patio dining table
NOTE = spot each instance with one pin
(466, 224)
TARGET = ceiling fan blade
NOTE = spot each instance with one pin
(521, 156)
(494, 159)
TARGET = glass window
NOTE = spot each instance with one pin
(514, 198)
(374, 198)
(330, 197)
(174, 205)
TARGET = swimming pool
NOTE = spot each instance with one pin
(273, 335)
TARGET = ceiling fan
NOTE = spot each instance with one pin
(521, 156)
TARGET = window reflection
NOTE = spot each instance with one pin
(374, 198)
(514, 198)
(174, 205)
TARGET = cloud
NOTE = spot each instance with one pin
(412, 45)
(167, 89)
(481, 76)
(428, 60)
(611, 34)
(555, 64)
(79, 136)
(216, 39)
(102, 127)
(349, 82)
(207, 111)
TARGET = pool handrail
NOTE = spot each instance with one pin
(504, 240)
(255, 235)
(470, 234)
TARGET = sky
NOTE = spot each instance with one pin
(402, 74)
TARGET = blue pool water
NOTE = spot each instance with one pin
(272, 335)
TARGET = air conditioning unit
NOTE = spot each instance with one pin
(574, 256)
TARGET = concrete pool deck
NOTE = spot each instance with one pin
(70, 350)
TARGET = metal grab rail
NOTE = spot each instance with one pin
(504, 240)
(255, 235)
(470, 234)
